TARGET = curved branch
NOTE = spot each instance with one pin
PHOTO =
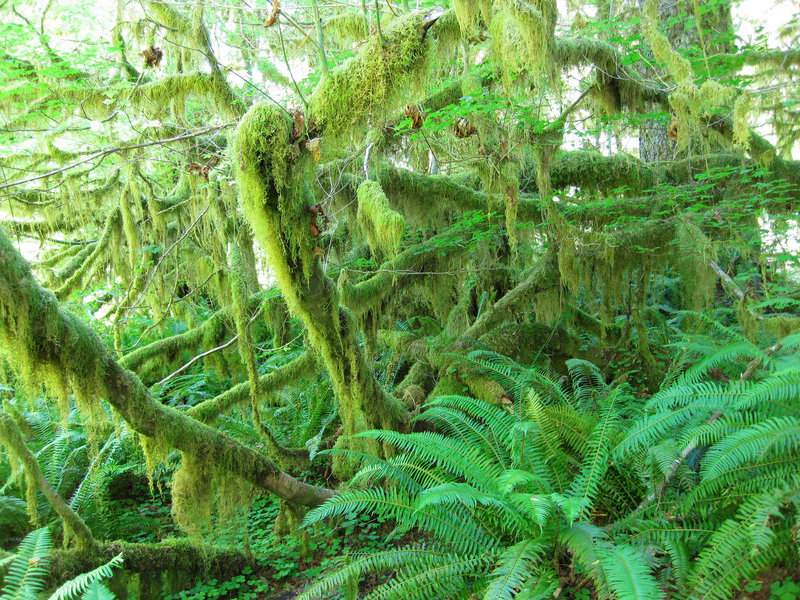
(42, 338)
(11, 435)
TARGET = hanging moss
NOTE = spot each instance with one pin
(175, 89)
(741, 128)
(447, 32)
(383, 226)
(679, 67)
(76, 279)
(239, 293)
(276, 202)
(523, 38)
(67, 270)
(472, 16)
(698, 281)
(377, 81)
(347, 27)
(192, 487)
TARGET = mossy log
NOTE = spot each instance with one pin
(175, 557)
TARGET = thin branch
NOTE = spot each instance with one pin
(198, 357)
(120, 150)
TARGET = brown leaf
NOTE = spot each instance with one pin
(417, 115)
(672, 130)
(152, 56)
(198, 169)
(299, 126)
(462, 128)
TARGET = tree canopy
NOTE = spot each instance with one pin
(511, 275)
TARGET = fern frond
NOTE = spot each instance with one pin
(654, 427)
(462, 494)
(411, 473)
(586, 484)
(442, 579)
(581, 539)
(476, 468)
(27, 572)
(457, 424)
(97, 591)
(388, 560)
(776, 435)
(726, 354)
(779, 389)
(456, 528)
(587, 381)
(628, 574)
(512, 569)
(495, 418)
(82, 583)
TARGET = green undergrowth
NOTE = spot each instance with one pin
(290, 561)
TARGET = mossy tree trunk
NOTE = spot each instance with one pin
(275, 196)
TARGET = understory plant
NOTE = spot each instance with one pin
(579, 486)
(24, 573)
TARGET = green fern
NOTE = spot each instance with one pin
(27, 572)
(589, 474)
(88, 583)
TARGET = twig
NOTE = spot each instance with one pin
(207, 352)
(118, 149)
(198, 357)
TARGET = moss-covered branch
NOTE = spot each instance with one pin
(208, 410)
(376, 81)
(11, 437)
(52, 346)
(276, 201)
(211, 330)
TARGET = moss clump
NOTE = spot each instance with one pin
(472, 15)
(376, 81)
(383, 226)
(347, 27)
(270, 176)
(523, 36)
